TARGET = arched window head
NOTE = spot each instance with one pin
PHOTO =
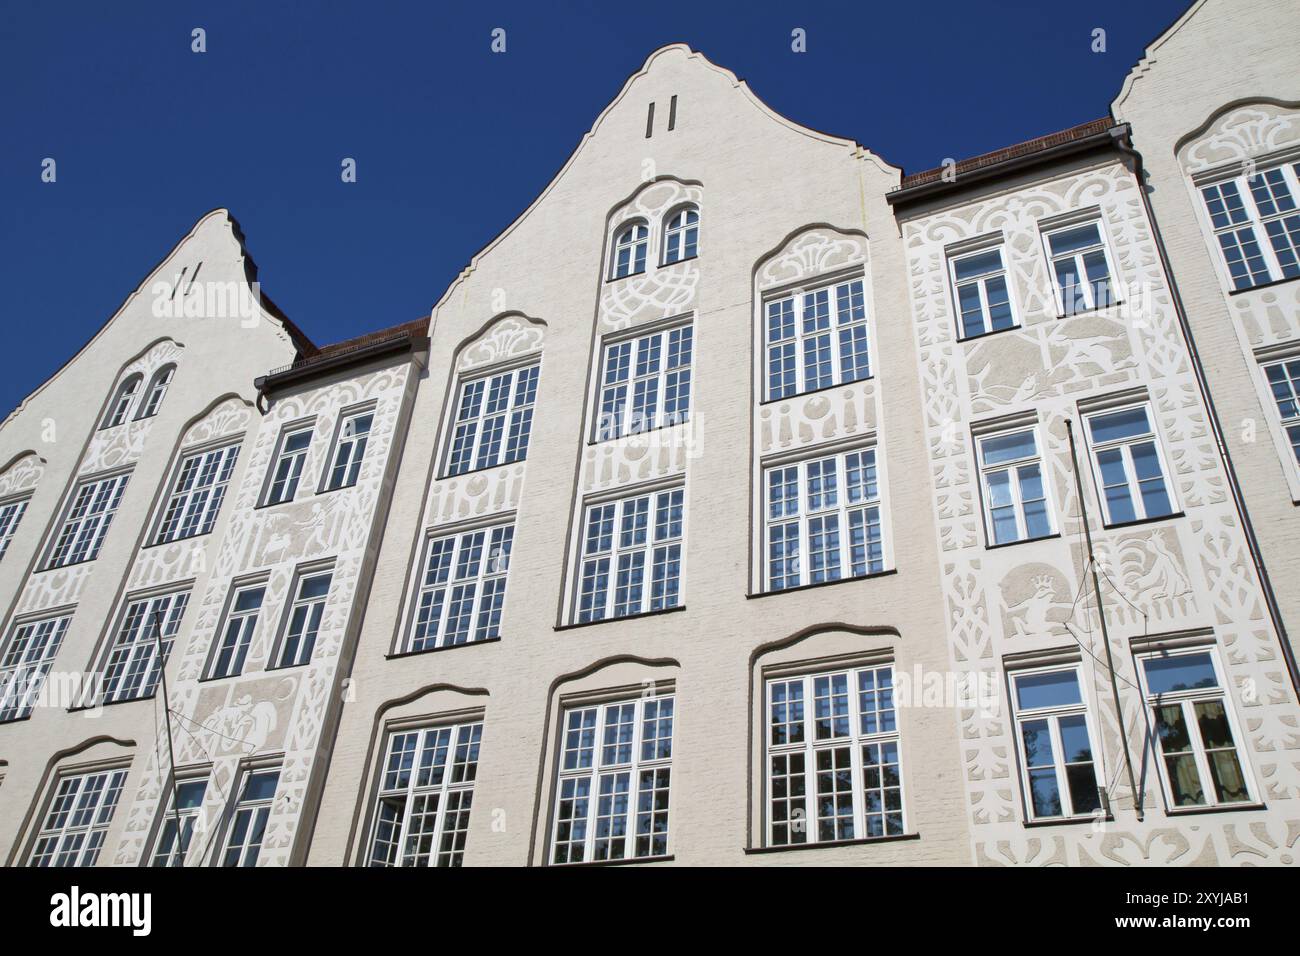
(682, 235)
(630, 250)
(153, 398)
(117, 411)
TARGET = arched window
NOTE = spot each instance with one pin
(630, 250)
(153, 398)
(117, 412)
(682, 235)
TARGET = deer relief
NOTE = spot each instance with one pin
(1031, 613)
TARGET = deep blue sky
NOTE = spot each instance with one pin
(148, 135)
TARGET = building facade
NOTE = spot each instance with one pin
(792, 504)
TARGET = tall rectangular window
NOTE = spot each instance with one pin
(494, 419)
(1284, 383)
(645, 383)
(237, 633)
(1200, 761)
(181, 814)
(197, 494)
(822, 520)
(979, 282)
(1256, 224)
(11, 513)
(73, 831)
(425, 795)
(349, 450)
(832, 755)
(132, 668)
(86, 521)
(1128, 465)
(1081, 268)
(631, 556)
(1055, 740)
(28, 654)
(1015, 495)
(614, 774)
(286, 469)
(816, 339)
(462, 588)
(248, 821)
(305, 614)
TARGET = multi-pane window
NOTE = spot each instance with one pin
(286, 470)
(645, 383)
(1129, 466)
(681, 238)
(248, 822)
(132, 668)
(1056, 756)
(1195, 730)
(425, 795)
(614, 774)
(349, 450)
(304, 618)
(241, 620)
(822, 520)
(462, 588)
(26, 660)
(630, 250)
(631, 556)
(196, 497)
(1015, 495)
(816, 339)
(1080, 268)
(183, 807)
(122, 401)
(80, 812)
(980, 284)
(832, 756)
(494, 419)
(87, 520)
(153, 398)
(1257, 224)
(11, 513)
(1283, 381)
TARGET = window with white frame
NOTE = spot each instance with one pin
(1195, 730)
(630, 247)
(631, 556)
(822, 520)
(1128, 465)
(816, 338)
(1283, 382)
(1081, 268)
(248, 820)
(425, 794)
(494, 419)
(197, 493)
(237, 633)
(157, 391)
(80, 811)
(11, 513)
(462, 588)
(28, 654)
(122, 401)
(681, 235)
(832, 757)
(979, 281)
(1055, 738)
(132, 668)
(304, 618)
(1016, 506)
(613, 784)
(86, 521)
(349, 450)
(645, 383)
(286, 469)
(1256, 224)
(181, 814)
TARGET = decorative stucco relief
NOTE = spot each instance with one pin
(510, 337)
(638, 458)
(123, 444)
(819, 417)
(22, 474)
(812, 253)
(1246, 132)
